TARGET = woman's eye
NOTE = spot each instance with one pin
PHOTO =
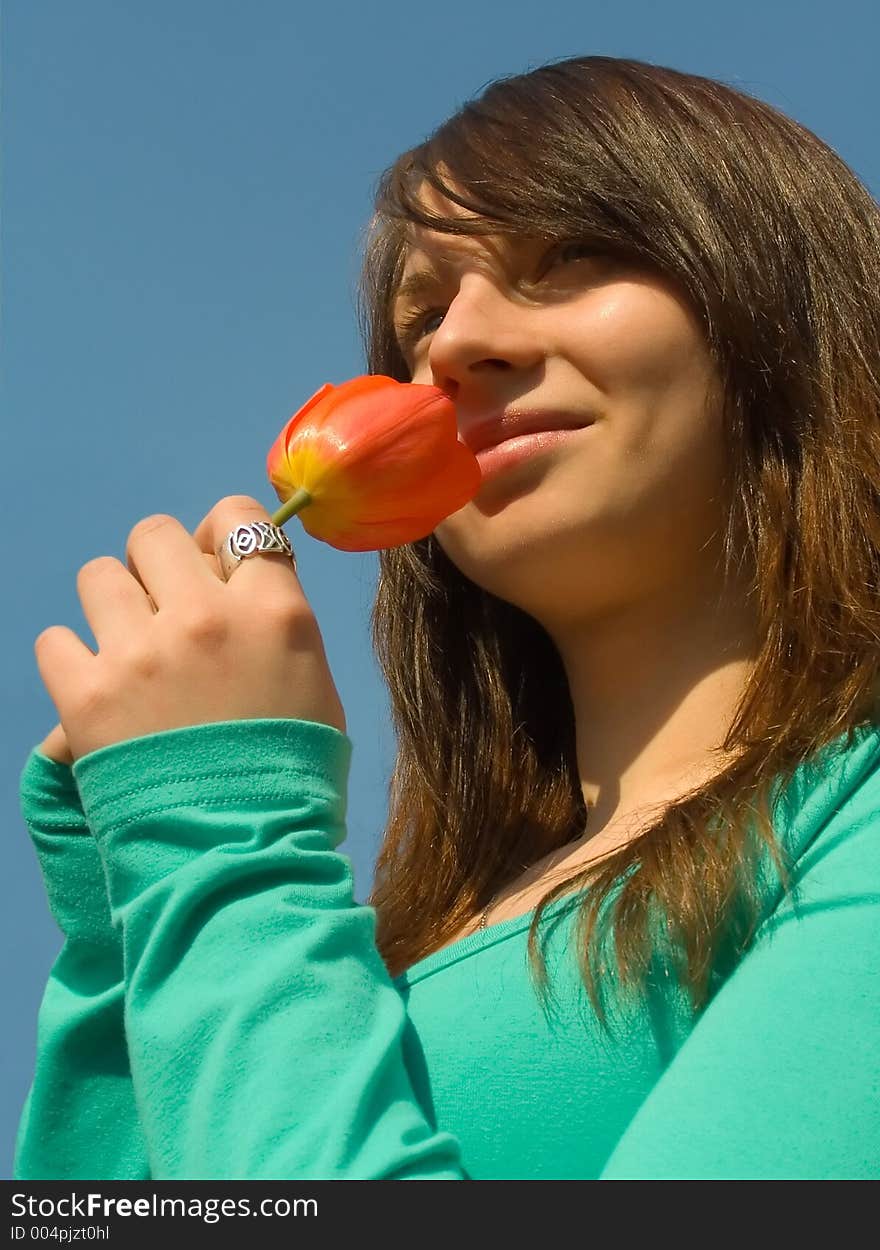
(425, 321)
(563, 250)
(414, 324)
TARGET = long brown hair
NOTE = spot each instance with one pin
(777, 245)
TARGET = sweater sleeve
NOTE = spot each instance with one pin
(79, 1119)
(267, 1039)
(779, 1079)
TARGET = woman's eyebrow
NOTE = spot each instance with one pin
(425, 279)
(417, 283)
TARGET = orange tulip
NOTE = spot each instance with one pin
(372, 463)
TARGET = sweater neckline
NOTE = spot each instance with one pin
(478, 940)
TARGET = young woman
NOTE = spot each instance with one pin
(634, 683)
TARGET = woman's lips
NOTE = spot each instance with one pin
(511, 451)
(515, 421)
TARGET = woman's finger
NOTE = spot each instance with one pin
(56, 746)
(113, 602)
(273, 570)
(165, 559)
(65, 665)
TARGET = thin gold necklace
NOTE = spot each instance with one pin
(576, 837)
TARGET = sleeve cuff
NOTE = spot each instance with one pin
(68, 856)
(244, 762)
(48, 795)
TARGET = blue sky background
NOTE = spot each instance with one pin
(184, 186)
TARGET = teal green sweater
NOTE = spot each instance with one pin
(219, 1008)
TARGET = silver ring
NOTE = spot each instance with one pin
(256, 539)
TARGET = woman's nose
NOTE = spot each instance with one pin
(482, 328)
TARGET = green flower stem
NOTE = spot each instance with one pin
(298, 500)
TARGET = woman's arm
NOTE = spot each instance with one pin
(267, 1040)
(780, 1077)
(79, 1120)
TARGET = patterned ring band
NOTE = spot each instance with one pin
(256, 539)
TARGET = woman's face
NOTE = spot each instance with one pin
(617, 511)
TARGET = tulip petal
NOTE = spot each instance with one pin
(381, 460)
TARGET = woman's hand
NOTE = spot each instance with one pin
(178, 646)
(56, 746)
